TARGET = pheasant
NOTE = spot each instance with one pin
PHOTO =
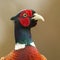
(25, 48)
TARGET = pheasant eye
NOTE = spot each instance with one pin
(24, 15)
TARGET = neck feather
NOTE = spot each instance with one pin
(22, 35)
(21, 46)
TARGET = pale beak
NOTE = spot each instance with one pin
(38, 17)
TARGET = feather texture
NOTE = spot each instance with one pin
(28, 53)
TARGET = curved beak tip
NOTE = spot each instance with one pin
(42, 19)
(38, 17)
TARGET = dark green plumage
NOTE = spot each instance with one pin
(22, 35)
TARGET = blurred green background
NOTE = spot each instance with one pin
(46, 34)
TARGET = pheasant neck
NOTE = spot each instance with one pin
(22, 35)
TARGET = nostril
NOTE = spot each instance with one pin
(33, 15)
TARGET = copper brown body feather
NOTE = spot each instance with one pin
(28, 53)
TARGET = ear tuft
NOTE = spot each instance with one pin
(12, 18)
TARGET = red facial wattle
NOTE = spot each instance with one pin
(25, 21)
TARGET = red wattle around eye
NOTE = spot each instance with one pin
(24, 22)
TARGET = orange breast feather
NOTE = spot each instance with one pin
(28, 53)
